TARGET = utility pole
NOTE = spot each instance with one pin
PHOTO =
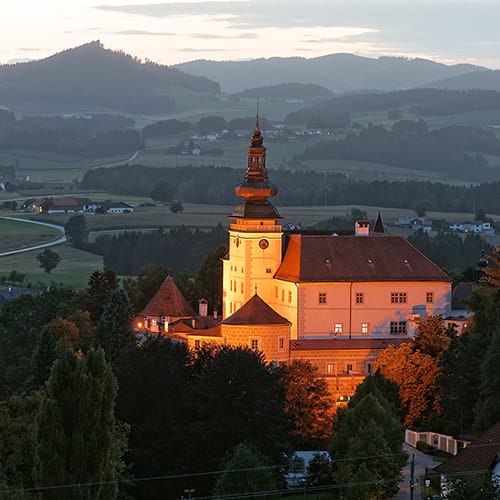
(412, 475)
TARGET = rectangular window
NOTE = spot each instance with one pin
(242, 287)
(349, 368)
(281, 342)
(429, 297)
(359, 298)
(337, 328)
(269, 270)
(282, 295)
(364, 328)
(196, 344)
(369, 368)
(289, 296)
(254, 344)
(276, 291)
(330, 368)
(322, 298)
(398, 298)
(398, 328)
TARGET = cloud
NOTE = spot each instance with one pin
(213, 36)
(187, 49)
(143, 33)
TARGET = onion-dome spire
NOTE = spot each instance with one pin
(256, 188)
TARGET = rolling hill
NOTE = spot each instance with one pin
(485, 80)
(93, 75)
(337, 72)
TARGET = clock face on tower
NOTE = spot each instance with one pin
(263, 244)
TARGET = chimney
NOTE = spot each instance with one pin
(361, 228)
(203, 307)
(215, 313)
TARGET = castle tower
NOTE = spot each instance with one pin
(255, 235)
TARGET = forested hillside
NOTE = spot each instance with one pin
(93, 75)
(421, 102)
(456, 151)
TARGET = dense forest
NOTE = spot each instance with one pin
(88, 136)
(457, 151)
(212, 184)
(93, 75)
(287, 90)
(421, 102)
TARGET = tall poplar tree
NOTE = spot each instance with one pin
(79, 442)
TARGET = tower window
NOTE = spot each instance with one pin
(322, 298)
(429, 297)
(282, 295)
(281, 342)
(269, 270)
(254, 344)
(359, 298)
(241, 287)
(289, 296)
(364, 328)
(337, 328)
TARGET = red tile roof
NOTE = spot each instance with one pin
(347, 344)
(481, 454)
(168, 301)
(320, 258)
(255, 312)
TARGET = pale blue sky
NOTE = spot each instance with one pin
(169, 32)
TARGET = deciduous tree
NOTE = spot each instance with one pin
(76, 230)
(416, 374)
(48, 260)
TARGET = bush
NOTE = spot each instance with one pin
(424, 447)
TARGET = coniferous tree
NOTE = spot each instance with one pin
(101, 286)
(79, 440)
(43, 357)
(114, 328)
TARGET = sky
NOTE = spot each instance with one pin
(170, 32)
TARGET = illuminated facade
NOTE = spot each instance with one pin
(333, 300)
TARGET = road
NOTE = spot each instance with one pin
(60, 240)
(421, 462)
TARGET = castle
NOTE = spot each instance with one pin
(333, 300)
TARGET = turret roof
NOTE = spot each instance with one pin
(168, 301)
(255, 312)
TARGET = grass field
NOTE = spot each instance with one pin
(14, 235)
(74, 268)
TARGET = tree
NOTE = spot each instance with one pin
(473, 487)
(246, 470)
(492, 273)
(78, 439)
(154, 404)
(163, 191)
(209, 277)
(487, 410)
(307, 403)
(48, 260)
(76, 230)
(236, 398)
(432, 337)
(114, 328)
(177, 207)
(416, 374)
(366, 446)
(101, 285)
(142, 289)
(18, 428)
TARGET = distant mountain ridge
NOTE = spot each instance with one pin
(92, 75)
(336, 72)
(484, 79)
